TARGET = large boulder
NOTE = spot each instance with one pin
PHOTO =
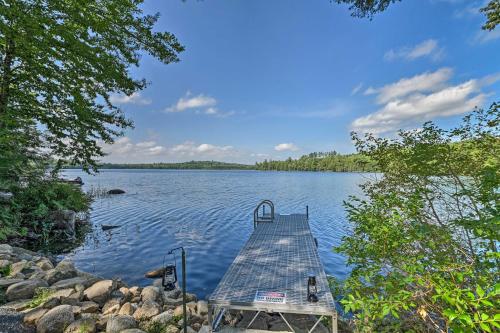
(56, 320)
(150, 293)
(148, 310)
(118, 323)
(202, 308)
(64, 270)
(6, 249)
(24, 289)
(84, 325)
(163, 318)
(100, 291)
(5, 283)
(31, 317)
(73, 282)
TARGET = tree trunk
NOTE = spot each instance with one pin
(6, 75)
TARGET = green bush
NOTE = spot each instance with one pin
(424, 238)
(33, 202)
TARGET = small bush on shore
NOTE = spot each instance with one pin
(41, 296)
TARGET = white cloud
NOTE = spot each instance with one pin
(202, 104)
(428, 48)
(426, 82)
(189, 148)
(125, 149)
(356, 89)
(192, 102)
(286, 147)
(423, 97)
(135, 98)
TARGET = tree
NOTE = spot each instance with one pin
(60, 62)
(368, 8)
(423, 245)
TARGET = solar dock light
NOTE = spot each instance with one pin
(169, 280)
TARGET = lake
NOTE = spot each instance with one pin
(210, 213)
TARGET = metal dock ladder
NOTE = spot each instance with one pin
(278, 271)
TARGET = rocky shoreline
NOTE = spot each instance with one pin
(38, 295)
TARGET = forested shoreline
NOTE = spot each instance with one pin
(316, 161)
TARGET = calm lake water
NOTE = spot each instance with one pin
(207, 212)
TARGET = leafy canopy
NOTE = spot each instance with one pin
(368, 8)
(61, 59)
(423, 245)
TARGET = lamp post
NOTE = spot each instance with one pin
(184, 312)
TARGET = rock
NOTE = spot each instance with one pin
(31, 317)
(71, 283)
(163, 318)
(202, 308)
(127, 295)
(127, 309)
(5, 196)
(132, 330)
(196, 326)
(56, 320)
(178, 311)
(19, 305)
(135, 291)
(118, 323)
(84, 325)
(12, 322)
(171, 329)
(189, 330)
(24, 289)
(4, 263)
(204, 329)
(45, 264)
(51, 303)
(6, 248)
(150, 293)
(64, 220)
(89, 307)
(76, 310)
(191, 297)
(116, 191)
(4, 283)
(157, 273)
(100, 291)
(18, 267)
(148, 310)
(172, 301)
(111, 307)
(64, 270)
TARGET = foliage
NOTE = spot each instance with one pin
(368, 8)
(492, 12)
(41, 296)
(330, 161)
(32, 204)
(423, 240)
(199, 165)
(6, 270)
(60, 63)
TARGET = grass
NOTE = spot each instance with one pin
(41, 296)
(5, 271)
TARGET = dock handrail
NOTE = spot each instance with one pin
(264, 217)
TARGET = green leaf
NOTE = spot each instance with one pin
(479, 291)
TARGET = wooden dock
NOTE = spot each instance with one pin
(270, 274)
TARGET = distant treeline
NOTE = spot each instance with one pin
(321, 161)
(206, 165)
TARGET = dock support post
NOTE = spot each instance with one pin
(307, 211)
(184, 311)
(334, 323)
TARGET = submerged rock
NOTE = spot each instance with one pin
(116, 191)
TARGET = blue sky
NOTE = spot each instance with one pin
(271, 79)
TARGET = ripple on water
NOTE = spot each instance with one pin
(207, 212)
